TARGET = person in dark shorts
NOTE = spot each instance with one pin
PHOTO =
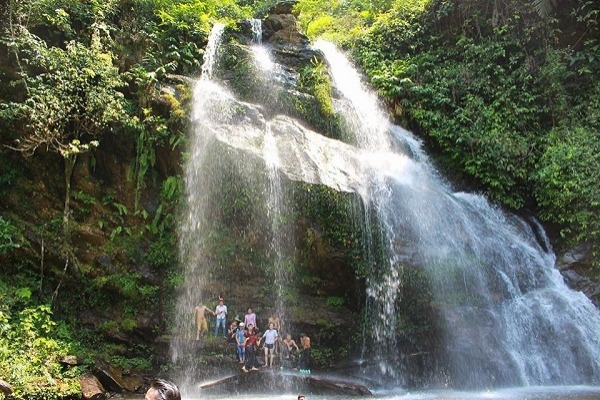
(251, 340)
(270, 337)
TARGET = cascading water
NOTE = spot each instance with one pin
(210, 54)
(256, 26)
(281, 242)
(260, 52)
(215, 110)
(210, 105)
(280, 230)
(507, 316)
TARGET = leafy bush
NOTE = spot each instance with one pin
(567, 182)
(31, 347)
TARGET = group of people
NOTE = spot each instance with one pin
(247, 338)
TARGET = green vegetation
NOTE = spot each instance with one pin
(32, 346)
(315, 81)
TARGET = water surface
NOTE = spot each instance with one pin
(524, 393)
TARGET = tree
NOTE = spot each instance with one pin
(72, 98)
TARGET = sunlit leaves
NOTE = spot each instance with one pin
(73, 95)
(568, 181)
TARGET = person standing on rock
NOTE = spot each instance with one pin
(250, 340)
(161, 389)
(221, 313)
(240, 342)
(304, 362)
(270, 337)
(276, 323)
(200, 318)
(250, 319)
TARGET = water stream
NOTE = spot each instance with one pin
(528, 393)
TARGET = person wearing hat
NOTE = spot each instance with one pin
(239, 340)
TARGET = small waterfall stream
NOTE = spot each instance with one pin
(210, 104)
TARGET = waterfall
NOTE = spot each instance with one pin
(213, 173)
(277, 212)
(277, 204)
(505, 314)
(256, 26)
(507, 317)
(260, 53)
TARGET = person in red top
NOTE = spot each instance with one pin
(251, 340)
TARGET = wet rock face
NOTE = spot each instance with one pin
(305, 155)
(571, 263)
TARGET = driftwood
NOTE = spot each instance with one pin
(266, 381)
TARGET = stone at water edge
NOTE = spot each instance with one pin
(70, 361)
(579, 258)
(91, 388)
(5, 387)
(114, 380)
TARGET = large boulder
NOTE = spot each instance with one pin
(303, 154)
(282, 30)
(91, 388)
(114, 380)
(283, 7)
